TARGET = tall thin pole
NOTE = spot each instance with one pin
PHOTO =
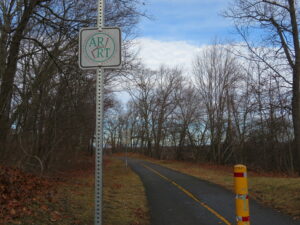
(99, 127)
(99, 147)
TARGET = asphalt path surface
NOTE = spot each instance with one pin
(178, 199)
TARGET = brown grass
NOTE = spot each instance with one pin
(124, 200)
(124, 196)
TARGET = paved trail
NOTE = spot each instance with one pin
(178, 199)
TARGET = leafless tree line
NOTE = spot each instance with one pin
(239, 106)
(47, 103)
(246, 110)
(229, 111)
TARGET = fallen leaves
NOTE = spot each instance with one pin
(12, 212)
(26, 199)
(55, 216)
(140, 213)
(17, 191)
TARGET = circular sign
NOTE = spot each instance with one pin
(99, 47)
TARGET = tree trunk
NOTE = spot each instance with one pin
(296, 116)
(9, 72)
(296, 84)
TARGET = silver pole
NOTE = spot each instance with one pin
(99, 127)
(127, 145)
(99, 147)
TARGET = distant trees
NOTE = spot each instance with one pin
(230, 111)
(154, 98)
(242, 103)
(233, 109)
(217, 76)
(184, 118)
(141, 88)
(164, 104)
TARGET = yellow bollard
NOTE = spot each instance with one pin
(241, 191)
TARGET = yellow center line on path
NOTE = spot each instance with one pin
(189, 194)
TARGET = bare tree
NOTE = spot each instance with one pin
(141, 88)
(217, 74)
(278, 24)
(166, 90)
(46, 103)
(185, 115)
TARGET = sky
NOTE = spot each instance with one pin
(179, 29)
(196, 21)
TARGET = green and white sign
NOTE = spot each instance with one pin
(99, 48)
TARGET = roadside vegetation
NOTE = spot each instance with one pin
(277, 191)
(240, 104)
(30, 200)
(124, 196)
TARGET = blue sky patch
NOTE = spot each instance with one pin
(195, 21)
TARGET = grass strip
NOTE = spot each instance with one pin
(124, 199)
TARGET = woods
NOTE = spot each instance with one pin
(280, 22)
(46, 102)
(230, 110)
(191, 104)
(240, 104)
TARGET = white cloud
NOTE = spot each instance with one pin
(154, 53)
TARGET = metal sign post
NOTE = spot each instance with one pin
(99, 146)
(99, 48)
